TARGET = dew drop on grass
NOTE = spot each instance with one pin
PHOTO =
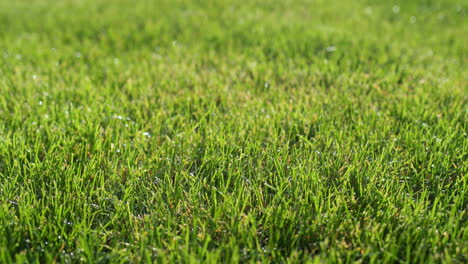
(396, 9)
(147, 134)
(413, 19)
(331, 49)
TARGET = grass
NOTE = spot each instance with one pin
(233, 131)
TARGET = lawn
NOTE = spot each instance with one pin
(226, 131)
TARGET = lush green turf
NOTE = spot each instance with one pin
(227, 131)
